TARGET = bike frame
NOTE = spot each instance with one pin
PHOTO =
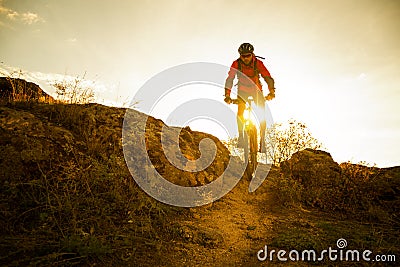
(250, 137)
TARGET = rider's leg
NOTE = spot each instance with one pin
(263, 128)
(260, 102)
(242, 97)
(240, 120)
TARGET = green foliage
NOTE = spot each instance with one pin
(84, 245)
(286, 192)
(298, 238)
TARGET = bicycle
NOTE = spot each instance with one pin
(250, 137)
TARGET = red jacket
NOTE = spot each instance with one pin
(244, 83)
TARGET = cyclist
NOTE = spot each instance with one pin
(248, 69)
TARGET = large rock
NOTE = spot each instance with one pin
(18, 89)
(166, 145)
(317, 177)
(312, 168)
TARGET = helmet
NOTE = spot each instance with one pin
(245, 48)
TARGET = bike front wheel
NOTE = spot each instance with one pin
(251, 148)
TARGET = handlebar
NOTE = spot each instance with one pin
(235, 101)
(249, 100)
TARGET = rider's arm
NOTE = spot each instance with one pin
(266, 75)
(271, 83)
(231, 76)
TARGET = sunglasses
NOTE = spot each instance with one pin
(246, 55)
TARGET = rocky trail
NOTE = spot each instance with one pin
(231, 229)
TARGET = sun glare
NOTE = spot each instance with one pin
(211, 127)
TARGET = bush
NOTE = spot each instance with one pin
(311, 178)
(283, 140)
(76, 91)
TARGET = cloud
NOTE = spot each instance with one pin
(12, 15)
(28, 18)
(46, 81)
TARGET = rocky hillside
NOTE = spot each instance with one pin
(64, 175)
(12, 89)
(67, 197)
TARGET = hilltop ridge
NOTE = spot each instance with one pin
(22, 90)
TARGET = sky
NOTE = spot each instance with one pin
(336, 64)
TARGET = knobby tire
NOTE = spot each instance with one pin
(250, 152)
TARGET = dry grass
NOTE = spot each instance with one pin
(71, 200)
(360, 191)
(74, 91)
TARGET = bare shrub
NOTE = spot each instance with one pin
(75, 91)
(283, 140)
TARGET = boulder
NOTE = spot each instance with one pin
(316, 178)
(183, 146)
(312, 168)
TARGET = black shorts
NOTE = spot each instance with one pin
(258, 97)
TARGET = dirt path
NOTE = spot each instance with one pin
(228, 232)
